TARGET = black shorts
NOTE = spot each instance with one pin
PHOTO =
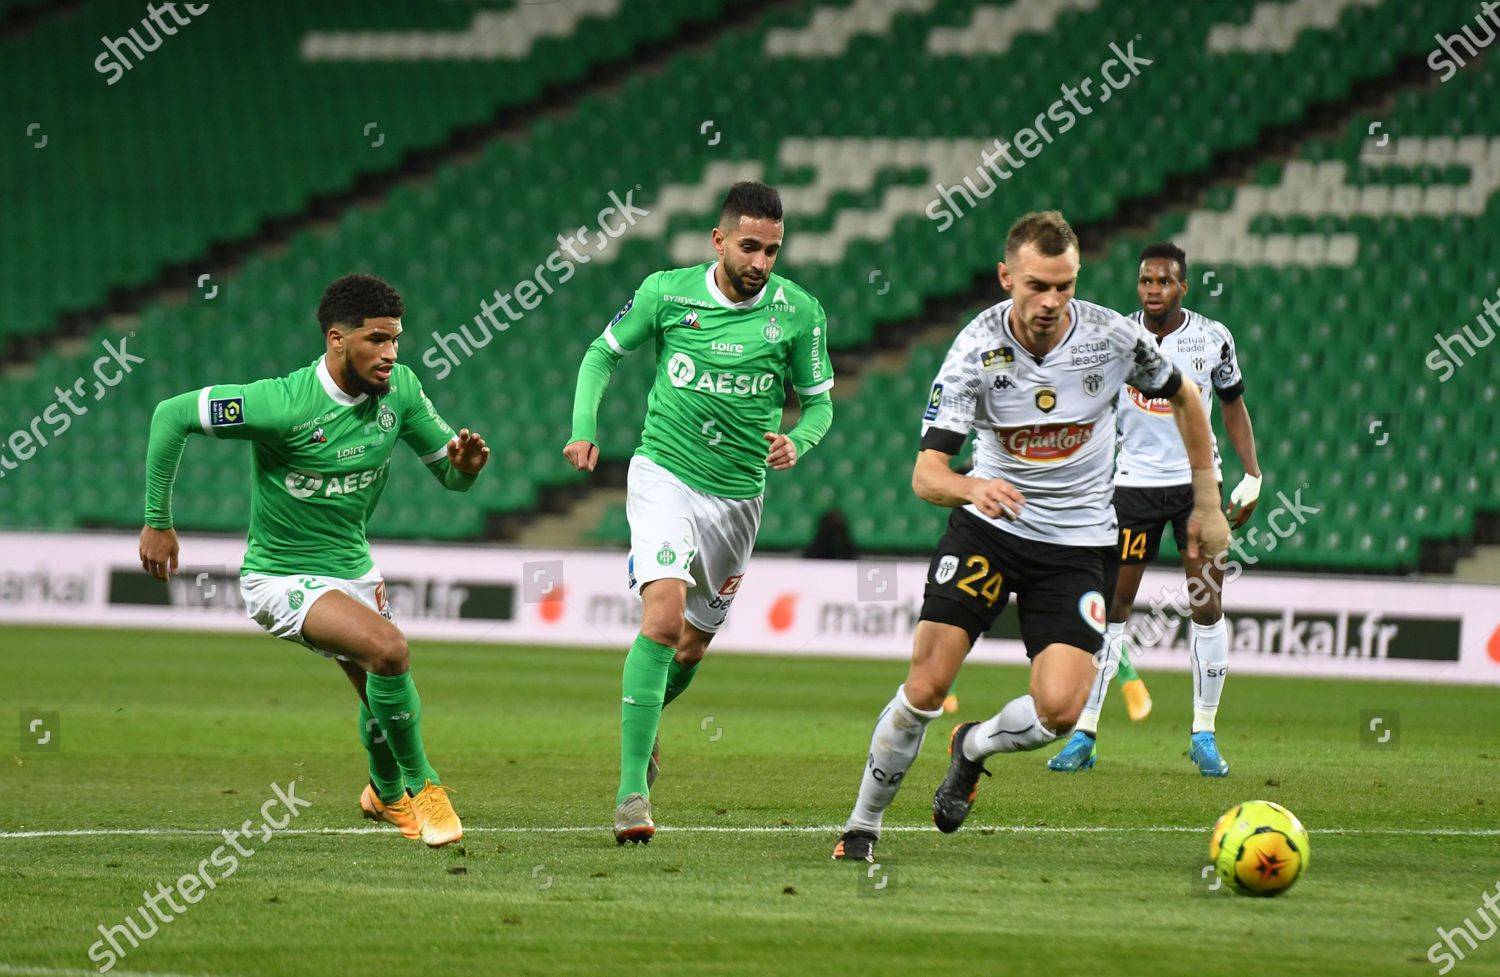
(1059, 589)
(1144, 514)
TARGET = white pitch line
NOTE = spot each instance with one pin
(756, 829)
(21, 971)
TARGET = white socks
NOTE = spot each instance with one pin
(895, 744)
(1106, 664)
(1011, 730)
(1210, 667)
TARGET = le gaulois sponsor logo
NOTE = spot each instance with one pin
(1044, 442)
(1152, 405)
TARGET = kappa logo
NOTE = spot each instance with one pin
(1003, 382)
(946, 568)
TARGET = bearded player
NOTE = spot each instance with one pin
(323, 438)
(1153, 489)
(727, 335)
(1035, 377)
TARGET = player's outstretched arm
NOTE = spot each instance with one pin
(1242, 436)
(1208, 531)
(935, 481)
(173, 420)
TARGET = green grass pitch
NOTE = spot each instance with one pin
(1097, 873)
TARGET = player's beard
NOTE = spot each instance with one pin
(744, 288)
(362, 383)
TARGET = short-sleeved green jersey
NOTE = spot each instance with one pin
(320, 462)
(721, 371)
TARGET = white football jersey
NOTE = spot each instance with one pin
(1151, 448)
(1045, 425)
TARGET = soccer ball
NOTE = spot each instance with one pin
(1259, 848)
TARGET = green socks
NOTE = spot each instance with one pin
(643, 684)
(1127, 671)
(385, 775)
(679, 677)
(398, 711)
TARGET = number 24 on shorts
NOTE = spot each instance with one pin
(993, 585)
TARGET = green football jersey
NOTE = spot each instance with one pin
(320, 462)
(721, 372)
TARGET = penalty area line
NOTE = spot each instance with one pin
(743, 830)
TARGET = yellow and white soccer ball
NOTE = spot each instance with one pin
(1259, 848)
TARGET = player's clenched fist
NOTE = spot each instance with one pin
(783, 454)
(996, 498)
(583, 455)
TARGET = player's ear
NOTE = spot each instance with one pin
(1004, 275)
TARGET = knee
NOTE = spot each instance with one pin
(925, 690)
(390, 655)
(1057, 711)
(663, 625)
(691, 649)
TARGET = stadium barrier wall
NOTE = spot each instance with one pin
(1279, 624)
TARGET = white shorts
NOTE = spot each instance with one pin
(679, 532)
(280, 604)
